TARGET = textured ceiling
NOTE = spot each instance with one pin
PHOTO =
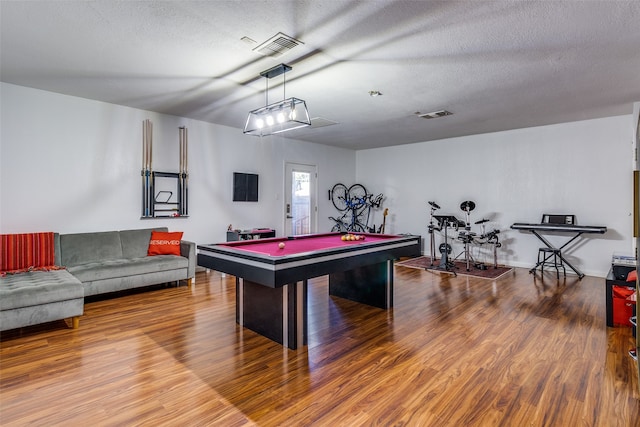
(495, 65)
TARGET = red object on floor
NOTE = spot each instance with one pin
(623, 305)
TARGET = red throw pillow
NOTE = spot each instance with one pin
(165, 243)
(631, 277)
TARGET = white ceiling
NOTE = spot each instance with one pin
(496, 65)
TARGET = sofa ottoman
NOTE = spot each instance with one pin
(34, 288)
(36, 297)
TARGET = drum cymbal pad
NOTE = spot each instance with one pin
(467, 206)
(444, 248)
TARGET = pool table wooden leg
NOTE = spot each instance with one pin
(278, 313)
(371, 284)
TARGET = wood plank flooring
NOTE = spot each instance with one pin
(454, 351)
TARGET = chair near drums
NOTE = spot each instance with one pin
(551, 256)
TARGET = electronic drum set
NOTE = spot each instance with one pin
(465, 235)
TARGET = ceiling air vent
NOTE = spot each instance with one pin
(434, 114)
(320, 122)
(277, 45)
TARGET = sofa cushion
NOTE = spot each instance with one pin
(82, 248)
(115, 268)
(164, 243)
(37, 288)
(135, 243)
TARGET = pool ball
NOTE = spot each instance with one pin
(281, 245)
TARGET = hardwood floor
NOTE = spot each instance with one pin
(454, 351)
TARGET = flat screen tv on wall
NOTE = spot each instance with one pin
(245, 187)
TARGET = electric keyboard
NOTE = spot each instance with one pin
(578, 230)
(561, 228)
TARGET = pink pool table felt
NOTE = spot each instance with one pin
(302, 244)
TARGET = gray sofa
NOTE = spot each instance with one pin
(96, 263)
(112, 261)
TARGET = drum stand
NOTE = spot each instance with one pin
(445, 249)
(432, 228)
(483, 235)
(492, 238)
(467, 236)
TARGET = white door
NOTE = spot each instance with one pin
(300, 199)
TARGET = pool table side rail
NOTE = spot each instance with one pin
(278, 271)
(238, 252)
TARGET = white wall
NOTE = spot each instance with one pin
(69, 165)
(582, 168)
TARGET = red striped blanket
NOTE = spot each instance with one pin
(27, 252)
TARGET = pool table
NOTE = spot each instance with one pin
(271, 281)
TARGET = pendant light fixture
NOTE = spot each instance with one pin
(280, 116)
